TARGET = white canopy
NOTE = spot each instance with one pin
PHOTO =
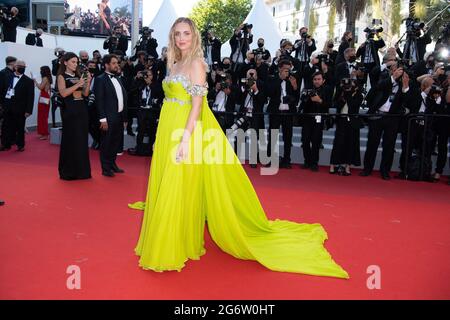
(162, 22)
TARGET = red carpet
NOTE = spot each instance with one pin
(48, 224)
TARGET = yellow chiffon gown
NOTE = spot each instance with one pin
(182, 197)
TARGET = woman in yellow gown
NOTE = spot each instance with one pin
(195, 177)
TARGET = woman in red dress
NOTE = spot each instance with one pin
(44, 102)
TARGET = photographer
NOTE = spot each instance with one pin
(315, 100)
(251, 98)
(148, 97)
(389, 98)
(262, 52)
(34, 39)
(318, 64)
(416, 42)
(347, 69)
(116, 43)
(240, 42)
(94, 124)
(346, 40)
(262, 68)
(242, 68)
(284, 54)
(426, 66)
(368, 51)
(212, 48)
(10, 21)
(223, 97)
(146, 43)
(282, 90)
(346, 138)
(304, 47)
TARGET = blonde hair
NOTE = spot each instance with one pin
(174, 53)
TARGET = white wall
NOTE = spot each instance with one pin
(34, 57)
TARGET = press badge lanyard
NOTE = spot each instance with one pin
(10, 92)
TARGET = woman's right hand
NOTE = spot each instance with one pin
(107, 25)
(81, 82)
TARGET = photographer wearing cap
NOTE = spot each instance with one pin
(10, 21)
(304, 47)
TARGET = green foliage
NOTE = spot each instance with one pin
(224, 15)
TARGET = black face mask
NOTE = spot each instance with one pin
(92, 70)
(38, 34)
(20, 70)
(331, 45)
(431, 63)
(352, 59)
(226, 66)
(260, 44)
(84, 60)
(349, 39)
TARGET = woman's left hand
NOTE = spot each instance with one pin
(182, 151)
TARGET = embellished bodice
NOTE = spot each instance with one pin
(179, 88)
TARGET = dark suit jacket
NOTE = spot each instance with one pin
(340, 57)
(216, 46)
(326, 94)
(235, 42)
(382, 93)
(374, 48)
(273, 91)
(258, 100)
(23, 99)
(106, 98)
(10, 29)
(5, 80)
(309, 49)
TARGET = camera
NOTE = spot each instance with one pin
(248, 82)
(146, 31)
(215, 66)
(292, 73)
(307, 94)
(305, 35)
(413, 26)
(5, 11)
(435, 90)
(246, 27)
(323, 58)
(347, 84)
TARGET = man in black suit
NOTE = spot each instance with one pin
(116, 43)
(17, 105)
(368, 51)
(10, 24)
(390, 98)
(316, 101)
(240, 43)
(304, 47)
(5, 76)
(148, 96)
(212, 48)
(34, 39)
(111, 102)
(282, 90)
(251, 98)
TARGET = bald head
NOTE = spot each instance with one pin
(426, 83)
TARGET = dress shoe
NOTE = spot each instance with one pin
(131, 133)
(364, 173)
(285, 165)
(385, 176)
(116, 169)
(401, 176)
(305, 166)
(108, 173)
(21, 149)
(346, 174)
(314, 168)
(4, 148)
(2, 202)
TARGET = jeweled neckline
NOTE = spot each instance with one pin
(177, 76)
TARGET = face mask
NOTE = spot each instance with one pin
(352, 59)
(226, 66)
(20, 70)
(84, 60)
(260, 44)
(92, 70)
(38, 34)
(431, 63)
(349, 39)
(330, 45)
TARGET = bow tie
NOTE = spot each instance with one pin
(113, 76)
(352, 66)
(16, 76)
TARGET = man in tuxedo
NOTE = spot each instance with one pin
(117, 42)
(304, 47)
(368, 51)
(317, 101)
(240, 43)
(347, 69)
(5, 76)
(390, 97)
(212, 48)
(148, 96)
(252, 98)
(111, 102)
(282, 90)
(17, 105)
(223, 94)
(10, 24)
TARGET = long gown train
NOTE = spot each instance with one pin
(181, 197)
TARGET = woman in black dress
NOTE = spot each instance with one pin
(74, 87)
(346, 139)
(345, 43)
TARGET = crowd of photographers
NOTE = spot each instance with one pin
(405, 92)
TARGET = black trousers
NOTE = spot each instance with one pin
(147, 124)
(442, 140)
(13, 129)
(286, 123)
(111, 141)
(312, 134)
(385, 127)
(94, 124)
